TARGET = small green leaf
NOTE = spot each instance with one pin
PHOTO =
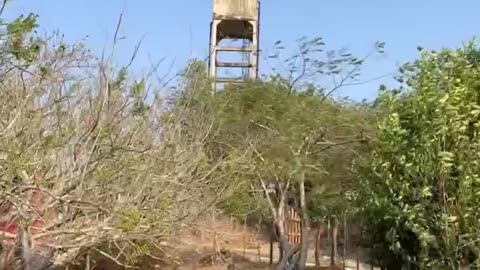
(138, 88)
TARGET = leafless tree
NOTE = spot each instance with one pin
(91, 161)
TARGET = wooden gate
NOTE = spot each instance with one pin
(294, 227)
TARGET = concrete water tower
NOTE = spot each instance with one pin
(234, 34)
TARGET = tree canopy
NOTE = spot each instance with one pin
(419, 193)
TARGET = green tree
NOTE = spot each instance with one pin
(290, 127)
(294, 141)
(419, 192)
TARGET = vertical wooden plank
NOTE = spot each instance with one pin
(294, 221)
(285, 223)
(300, 232)
(289, 227)
(292, 226)
(294, 231)
(298, 227)
(299, 222)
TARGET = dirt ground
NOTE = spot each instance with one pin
(244, 247)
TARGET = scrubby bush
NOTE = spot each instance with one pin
(90, 159)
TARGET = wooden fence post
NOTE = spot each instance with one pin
(357, 246)
(271, 246)
(245, 237)
(214, 238)
(344, 240)
(358, 258)
(317, 245)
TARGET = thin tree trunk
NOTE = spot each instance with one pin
(287, 252)
(357, 251)
(272, 236)
(215, 247)
(282, 236)
(283, 245)
(329, 232)
(288, 257)
(334, 240)
(305, 224)
(278, 212)
(280, 251)
(317, 246)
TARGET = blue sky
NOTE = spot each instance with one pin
(178, 30)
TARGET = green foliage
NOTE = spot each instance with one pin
(420, 184)
(130, 219)
(138, 89)
(243, 201)
(16, 35)
(290, 134)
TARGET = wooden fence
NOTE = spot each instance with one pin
(294, 227)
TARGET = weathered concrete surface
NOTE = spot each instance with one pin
(235, 9)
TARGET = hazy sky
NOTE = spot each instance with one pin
(179, 29)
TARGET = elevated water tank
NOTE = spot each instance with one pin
(234, 34)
